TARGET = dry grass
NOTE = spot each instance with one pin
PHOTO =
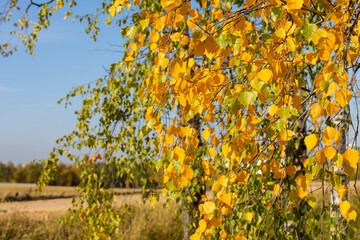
(143, 222)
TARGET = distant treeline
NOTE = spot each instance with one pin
(66, 175)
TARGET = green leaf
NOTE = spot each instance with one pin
(275, 13)
(311, 201)
(131, 32)
(158, 164)
(221, 40)
(259, 86)
(267, 39)
(169, 155)
(279, 125)
(144, 23)
(151, 122)
(309, 30)
(162, 78)
(290, 217)
(247, 98)
(284, 113)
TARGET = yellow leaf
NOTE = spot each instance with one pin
(112, 10)
(265, 75)
(119, 9)
(223, 234)
(182, 100)
(352, 214)
(329, 152)
(175, 36)
(311, 201)
(272, 110)
(206, 134)
(195, 236)
(179, 154)
(225, 198)
(225, 149)
(161, 60)
(202, 225)
(177, 68)
(294, 4)
(249, 216)
(291, 170)
(297, 101)
(184, 40)
(183, 181)
(347, 211)
(276, 189)
(330, 89)
(216, 187)
(342, 191)
(210, 47)
(301, 192)
(311, 141)
(215, 3)
(320, 157)
(281, 33)
(301, 181)
(212, 152)
(223, 180)
(152, 201)
(239, 237)
(204, 3)
(332, 108)
(290, 43)
(209, 207)
(343, 96)
(351, 157)
(311, 58)
(337, 137)
(243, 177)
(328, 135)
(315, 112)
(188, 173)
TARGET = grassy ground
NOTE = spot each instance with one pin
(144, 222)
(319, 194)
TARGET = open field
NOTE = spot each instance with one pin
(58, 206)
(142, 223)
(26, 192)
(40, 219)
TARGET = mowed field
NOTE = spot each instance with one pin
(25, 199)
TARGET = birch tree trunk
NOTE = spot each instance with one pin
(340, 121)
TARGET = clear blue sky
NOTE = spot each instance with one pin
(30, 86)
